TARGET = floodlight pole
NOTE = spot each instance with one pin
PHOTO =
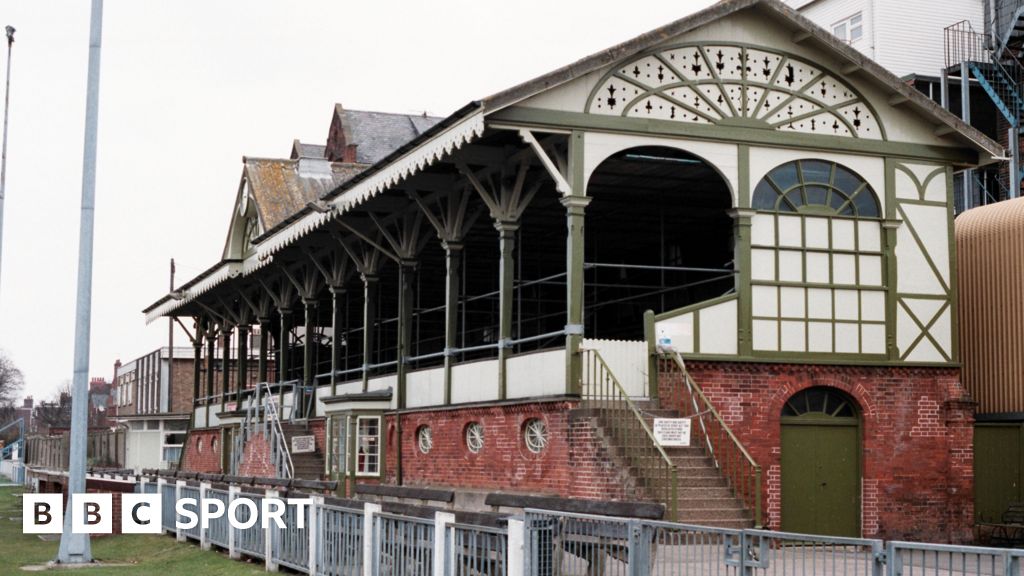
(3, 155)
(75, 548)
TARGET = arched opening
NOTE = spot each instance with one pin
(821, 463)
(658, 237)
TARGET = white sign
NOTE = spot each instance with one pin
(672, 431)
(303, 444)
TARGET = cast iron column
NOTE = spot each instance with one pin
(453, 284)
(574, 208)
(337, 319)
(308, 376)
(369, 319)
(242, 375)
(506, 287)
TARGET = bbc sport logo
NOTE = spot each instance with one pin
(142, 513)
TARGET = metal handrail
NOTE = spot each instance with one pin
(280, 454)
(725, 449)
(603, 392)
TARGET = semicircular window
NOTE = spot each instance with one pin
(816, 187)
(820, 402)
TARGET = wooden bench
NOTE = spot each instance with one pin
(1009, 531)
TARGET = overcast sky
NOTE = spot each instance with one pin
(187, 88)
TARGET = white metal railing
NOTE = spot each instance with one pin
(341, 541)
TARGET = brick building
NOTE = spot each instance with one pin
(735, 221)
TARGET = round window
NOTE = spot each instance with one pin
(535, 435)
(199, 445)
(213, 445)
(475, 437)
(425, 438)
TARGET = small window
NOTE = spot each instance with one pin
(339, 444)
(368, 446)
(535, 435)
(475, 437)
(425, 439)
(850, 29)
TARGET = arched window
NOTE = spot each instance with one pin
(818, 274)
(816, 187)
(820, 402)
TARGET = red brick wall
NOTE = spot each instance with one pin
(256, 458)
(917, 434)
(574, 463)
(207, 458)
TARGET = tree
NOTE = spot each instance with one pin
(11, 380)
(56, 412)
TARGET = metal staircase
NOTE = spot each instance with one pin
(993, 59)
(8, 449)
(263, 416)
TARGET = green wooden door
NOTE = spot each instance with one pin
(821, 465)
(997, 469)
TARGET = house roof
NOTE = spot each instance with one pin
(283, 187)
(377, 134)
(857, 62)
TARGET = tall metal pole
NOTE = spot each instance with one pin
(170, 352)
(3, 158)
(75, 548)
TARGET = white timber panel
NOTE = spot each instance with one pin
(718, 328)
(536, 374)
(722, 157)
(384, 383)
(424, 387)
(627, 359)
(475, 381)
(677, 332)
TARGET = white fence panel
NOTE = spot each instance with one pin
(627, 359)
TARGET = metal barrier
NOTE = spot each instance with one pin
(777, 553)
(290, 545)
(220, 528)
(191, 492)
(339, 542)
(913, 559)
(475, 551)
(250, 541)
(168, 497)
(402, 546)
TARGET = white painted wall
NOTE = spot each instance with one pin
(143, 449)
(905, 36)
(425, 387)
(536, 374)
(475, 381)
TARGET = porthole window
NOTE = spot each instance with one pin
(475, 437)
(425, 439)
(213, 445)
(199, 445)
(535, 435)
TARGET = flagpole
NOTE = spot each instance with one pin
(3, 155)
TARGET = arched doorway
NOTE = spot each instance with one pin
(658, 237)
(821, 463)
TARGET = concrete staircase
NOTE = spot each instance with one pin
(704, 495)
(308, 466)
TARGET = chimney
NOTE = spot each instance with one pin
(28, 402)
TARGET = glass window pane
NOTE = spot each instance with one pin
(795, 197)
(847, 181)
(368, 445)
(855, 19)
(816, 171)
(764, 196)
(856, 33)
(816, 195)
(840, 31)
(837, 200)
(785, 176)
(866, 204)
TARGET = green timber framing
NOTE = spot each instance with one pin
(443, 182)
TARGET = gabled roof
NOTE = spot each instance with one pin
(283, 187)
(303, 150)
(377, 134)
(801, 27)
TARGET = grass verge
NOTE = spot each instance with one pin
(153, 555)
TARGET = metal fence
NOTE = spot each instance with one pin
(340, 541)
(402, 546)
(475, 551)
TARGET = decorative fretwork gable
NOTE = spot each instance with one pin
(735, 85)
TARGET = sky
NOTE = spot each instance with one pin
(187, 88)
